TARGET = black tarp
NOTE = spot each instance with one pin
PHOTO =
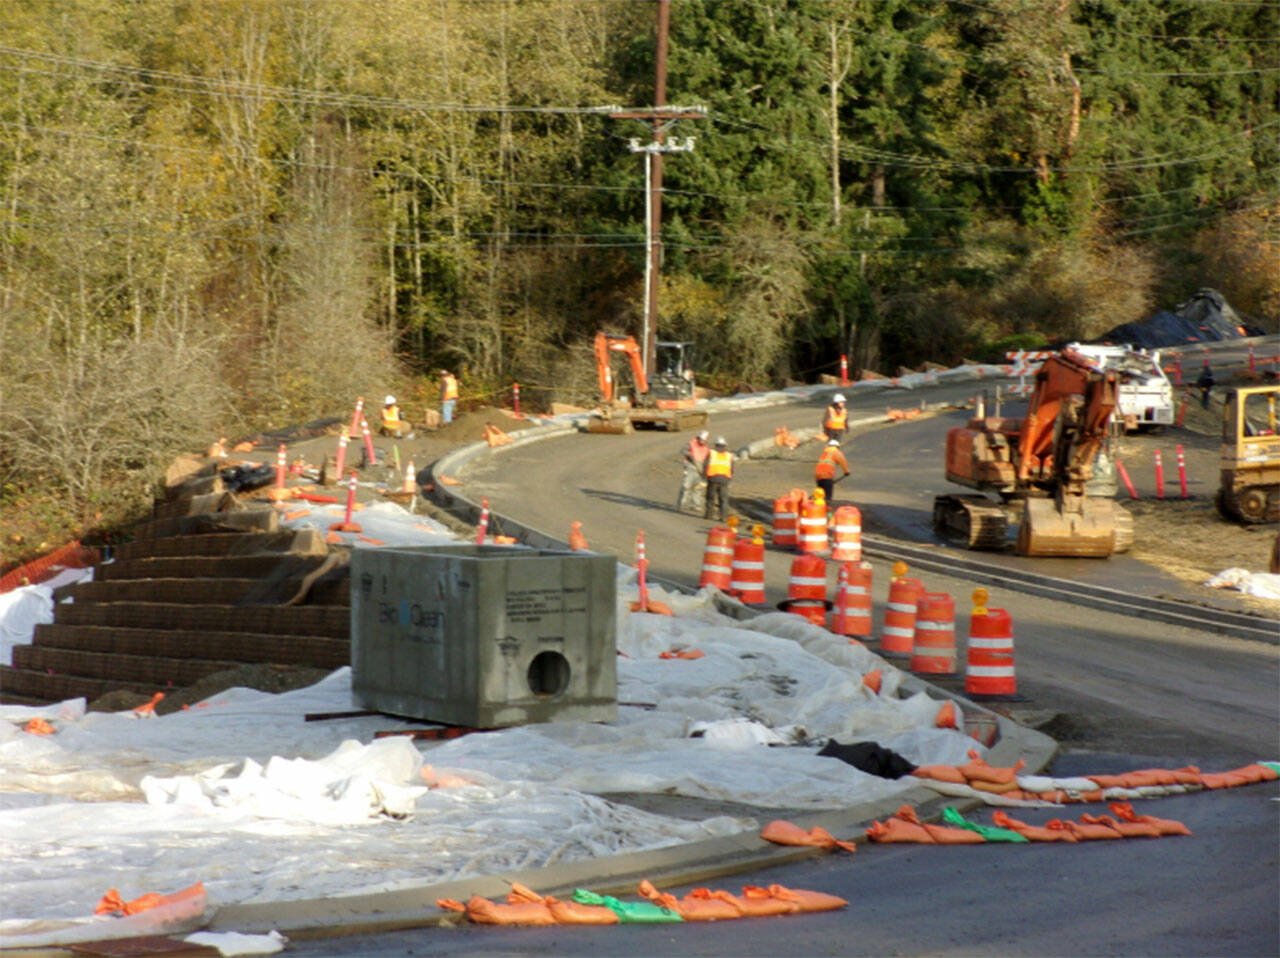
(1205, 318)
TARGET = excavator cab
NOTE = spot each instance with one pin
(672, 385)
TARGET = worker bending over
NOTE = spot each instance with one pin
(824, 472)
(718, 470)
(695, 457)
(448, 396)
(392, 424)
(836, 420)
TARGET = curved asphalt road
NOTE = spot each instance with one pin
(1126, 693)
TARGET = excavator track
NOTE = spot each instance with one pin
(981, 522)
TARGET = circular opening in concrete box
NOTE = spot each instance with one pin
(548, 674)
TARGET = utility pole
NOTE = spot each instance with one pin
(662, 117)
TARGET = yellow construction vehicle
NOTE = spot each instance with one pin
(1249, 484)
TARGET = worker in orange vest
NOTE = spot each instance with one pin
(695, 455)
(448, 396)
(718, 470)
(392, 424)
(824, 472)
(837, 418)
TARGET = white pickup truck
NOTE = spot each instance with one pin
(1146, 395)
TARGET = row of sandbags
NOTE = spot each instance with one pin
(524, 906)
(905, 826)
(1006, 785)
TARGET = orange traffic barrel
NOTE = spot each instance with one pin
(853, 600)
(717, 558)
(899, 632)
(989, 669)
(813, 525)
(807, 589)
(933, 650)
(846, 534)
(747, 574)
(784, 520)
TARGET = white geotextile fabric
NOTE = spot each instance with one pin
(25, 607)
(1262, 585)
(242, 793)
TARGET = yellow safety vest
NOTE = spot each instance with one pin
(827, 462)
(391, 416)
(448, 387)
(835, 418)
(719, 464)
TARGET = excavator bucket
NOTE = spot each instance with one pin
(1100, 529)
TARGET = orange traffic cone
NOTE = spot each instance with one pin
(577, 541)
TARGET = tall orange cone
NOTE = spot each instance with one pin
(933, 649)
(853, 600)
(717, 559)
(747, 573)
(410, 478)
(897, 637)
(807, 589)
(989, 671)
(278, 491)
(482, 526)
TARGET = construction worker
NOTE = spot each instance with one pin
(834, 423)
(824, 472)
(392, 424)
(1205, 384)
(695, 456)
(718, 470)
(448, 396)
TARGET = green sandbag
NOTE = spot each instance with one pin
(628, 912)
(988, 832)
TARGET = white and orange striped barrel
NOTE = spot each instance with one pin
(813, 526)
(989, 668)
(897, 637)
(853, 600)
(717, 559)
(846, 534)
(747, 575)
(933, 649)
(784, 520)
(807, 588)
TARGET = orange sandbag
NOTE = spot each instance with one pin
(1108, 781)
(786, 833)
(689, 654)
(576, 913)
(941, 773)
(1006, 789)
(756, 902)
(699, 905)
(872, 680)
(38, 726)
(904, 827)
(1032, 833)
(485, 912)
(1126, 829)
(805, 901)
(941, 834)
(1165, 826)
(112, 903)
(977, 770)
(946, 717)
(1084, 831)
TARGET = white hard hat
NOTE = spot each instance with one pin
(720, 441)
(838, 397)
(389, 401)
(704, 435)
(833, 442)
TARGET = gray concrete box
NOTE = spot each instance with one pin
(484, 636)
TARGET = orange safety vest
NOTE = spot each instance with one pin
(697, 452)
(719, 464)
(448, 387)
(391, 415)
(827, 462)
(835, 418)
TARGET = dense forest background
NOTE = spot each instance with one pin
(219, 215)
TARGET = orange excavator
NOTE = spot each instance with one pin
(665, 402)
(1046, 460)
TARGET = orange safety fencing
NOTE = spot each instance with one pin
(71, 556)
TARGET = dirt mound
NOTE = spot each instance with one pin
(264, 678)
(469, 425)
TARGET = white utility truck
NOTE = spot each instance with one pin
(1146, 395)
